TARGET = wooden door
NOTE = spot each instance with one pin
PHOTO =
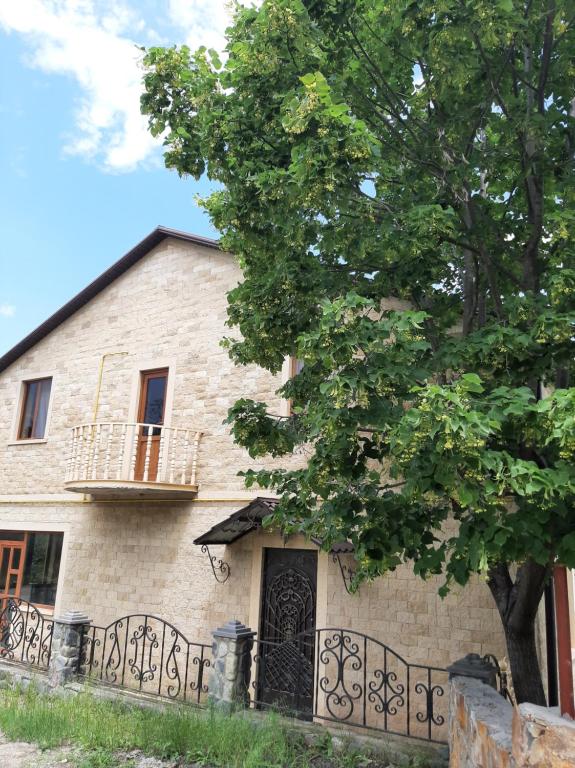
(151, 417)
(12, 555)
(286, 647)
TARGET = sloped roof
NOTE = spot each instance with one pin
(250, 518)
(245, 520)
(103, 281)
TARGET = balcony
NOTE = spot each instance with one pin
(115, 460)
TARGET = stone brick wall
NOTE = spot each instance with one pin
(169, 309)
(408, 612)
(485, 731)
(137, 556)
(120, 559)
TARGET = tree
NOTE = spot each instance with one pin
(396, 179)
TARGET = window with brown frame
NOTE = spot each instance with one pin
(34, 409)
(30, 565)
(295, 367)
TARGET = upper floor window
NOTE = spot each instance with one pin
(296, 366)
(35, 409)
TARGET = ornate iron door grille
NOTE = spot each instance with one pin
(286, 646)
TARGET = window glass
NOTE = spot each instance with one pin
(4, 563)
(11, 536)
(42, 412)
(28, 413)
(156, 389)
(12, 584)
(297, 366)
(41, 568)
(35, 409)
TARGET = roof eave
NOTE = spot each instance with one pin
(96, 286)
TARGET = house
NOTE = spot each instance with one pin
(119, 491)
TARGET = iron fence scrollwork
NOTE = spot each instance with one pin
(25, 633)
(354, 679)
(147, 654)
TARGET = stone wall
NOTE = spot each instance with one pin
(480, 723)
(132, 556)
(168, 310)
(485, 731)
(409, 615)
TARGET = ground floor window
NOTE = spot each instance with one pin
(29, 565)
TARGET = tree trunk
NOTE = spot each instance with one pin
(517, 602)
(525, 671)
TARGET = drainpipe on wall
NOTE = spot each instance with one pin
(99, 384)
(97, 396)
(565, 662)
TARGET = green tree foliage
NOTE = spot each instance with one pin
(397, 182)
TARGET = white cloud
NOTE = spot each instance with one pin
(94, 41)
(7, 310)
(203, 21)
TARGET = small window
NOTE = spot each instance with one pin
(35, 409)
(296, 366)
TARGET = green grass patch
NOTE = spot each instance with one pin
(208, 737)
(101, 758)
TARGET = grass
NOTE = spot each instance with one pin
(210, 738)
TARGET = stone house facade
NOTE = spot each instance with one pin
(102, 518)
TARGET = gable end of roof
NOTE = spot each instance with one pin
(102, 281)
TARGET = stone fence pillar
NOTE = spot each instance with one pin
(231, 667)
(66, 647)
(476, 677)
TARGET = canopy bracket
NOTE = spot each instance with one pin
(347, 572)
(220, 568)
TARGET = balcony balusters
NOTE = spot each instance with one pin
(118, 451)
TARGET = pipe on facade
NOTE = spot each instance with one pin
(97, 396)
(99, 384)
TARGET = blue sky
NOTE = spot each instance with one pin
(82, 180)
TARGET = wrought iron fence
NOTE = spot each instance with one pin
(347, 677)
(501, 677)
(331, 674)
(25, 634)
(147, 654)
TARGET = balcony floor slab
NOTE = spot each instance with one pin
(131, 489)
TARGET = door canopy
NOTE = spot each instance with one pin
(250, 518)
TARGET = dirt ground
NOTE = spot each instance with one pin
(23, 755)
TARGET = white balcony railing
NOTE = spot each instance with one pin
(116, 452)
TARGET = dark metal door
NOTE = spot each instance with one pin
(286, 648)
